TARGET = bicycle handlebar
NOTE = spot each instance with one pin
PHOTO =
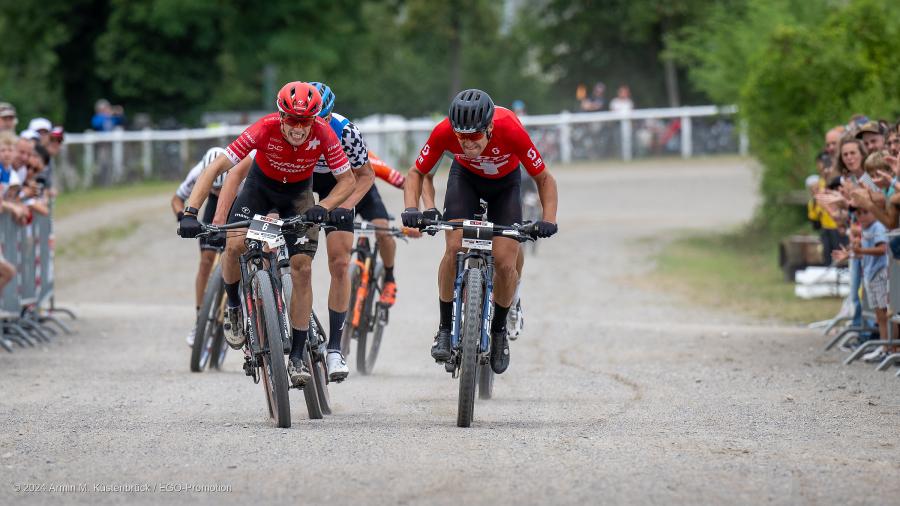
(521, 233)
(394, 231)
(290, 225)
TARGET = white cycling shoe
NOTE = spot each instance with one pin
(515, 320)
(233, 328)
(190, 338)
(337, 366)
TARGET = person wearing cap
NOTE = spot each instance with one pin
(872, 135)
(57, 136)
(42, 127)
(8, 118)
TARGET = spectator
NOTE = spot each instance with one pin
(893, 140)
(24, 148)
(518, 107)
(57, 136)
(622, 102)
(107, 117)
(832, 139)
(8, 119)
(829, 234)
(872, 250)
(872, 136)
(596, 101)
(8, 175)
(42, 127)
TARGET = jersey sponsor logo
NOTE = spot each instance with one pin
(496, 151)
(532, 154)
(538, 163)
(489, 167)
(245, 210)
(313, 144)
(274, 145)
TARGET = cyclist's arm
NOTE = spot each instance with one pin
(428, 192)
(413, 188)
(365, 177)
(428, 157)
(205, 181)
(546, 185)
(177, 205)
(342, 190)
(229, 190)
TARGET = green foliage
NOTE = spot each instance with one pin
(796, 68)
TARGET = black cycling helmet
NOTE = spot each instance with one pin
(471, 111)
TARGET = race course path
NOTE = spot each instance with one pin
(615, 394)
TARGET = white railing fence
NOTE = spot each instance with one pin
(93, 158)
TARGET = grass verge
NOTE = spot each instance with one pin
(94, 241)
(75, 201)
(736, 271)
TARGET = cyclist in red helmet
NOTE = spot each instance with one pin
(288, 144)
(487, 144)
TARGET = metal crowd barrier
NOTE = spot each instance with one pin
(893, 317)
(26, 302)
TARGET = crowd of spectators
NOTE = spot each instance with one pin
(855, 202)
(26, 168)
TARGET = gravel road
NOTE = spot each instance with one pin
(617, 394)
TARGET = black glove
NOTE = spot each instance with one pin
(179, 216)
(216, 240)
(316, 214)
(545, 229)
(411, 217)
(432, 214)
(341, 215)
(189, 227)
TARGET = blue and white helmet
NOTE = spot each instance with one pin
(208, 159)
(327, 98)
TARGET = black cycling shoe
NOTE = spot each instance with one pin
(440, 350)
(499, 351)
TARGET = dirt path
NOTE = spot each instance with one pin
(615, 394)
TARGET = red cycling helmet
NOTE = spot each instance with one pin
(299, 99)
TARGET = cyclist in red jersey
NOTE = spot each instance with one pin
(288, 144)
(487, 144)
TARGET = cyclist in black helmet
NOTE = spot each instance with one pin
(487, 144)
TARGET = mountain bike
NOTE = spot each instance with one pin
(264, 311)
(473, 288)
(209, 346)
(367, 315)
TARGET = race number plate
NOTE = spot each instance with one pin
(478, 234)
(267, 230)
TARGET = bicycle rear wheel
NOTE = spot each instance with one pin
(269, 332)
(471, 336)
(368, 345)
(349, 329)
(208, 319)
(485, 381)
(319, 368)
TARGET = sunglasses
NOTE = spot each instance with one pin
(473, 136)
(297, 121)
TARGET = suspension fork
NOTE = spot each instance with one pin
(487, 307)
(362, 291)
(457, 299)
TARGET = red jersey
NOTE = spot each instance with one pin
(509, 145)
(281, 161)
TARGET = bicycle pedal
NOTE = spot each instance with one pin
(450, 367)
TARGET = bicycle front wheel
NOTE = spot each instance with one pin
(270, 334)
(208, 319)
(471, 336)
(319, 369)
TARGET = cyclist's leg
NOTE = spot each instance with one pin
(338, 243)
(504, 208)
(371, 207)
